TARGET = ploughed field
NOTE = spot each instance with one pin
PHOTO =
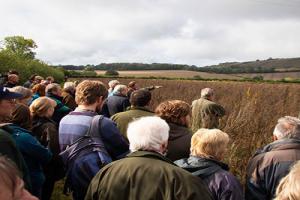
(252, 110)
(192, 74)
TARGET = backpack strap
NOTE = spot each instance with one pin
(95, 127)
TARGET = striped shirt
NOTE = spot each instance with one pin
(77, 123)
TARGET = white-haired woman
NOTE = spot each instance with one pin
(208, 147)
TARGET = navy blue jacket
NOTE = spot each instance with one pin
(117, 103)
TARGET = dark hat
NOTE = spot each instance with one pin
(6, 94)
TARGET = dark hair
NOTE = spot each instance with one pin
(140, 97)
(172, 111)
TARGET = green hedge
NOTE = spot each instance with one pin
(27, 67)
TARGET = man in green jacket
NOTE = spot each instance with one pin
(139, 101)
(205, 112)
(7, 145)
(146, 173)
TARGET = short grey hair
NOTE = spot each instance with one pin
(113, 83)
(287, 127)
(52, 87)
(207, 92)
(69, 85)
(119, 89)
(147, 133)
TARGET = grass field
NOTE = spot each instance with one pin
(192, 74)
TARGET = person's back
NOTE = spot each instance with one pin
(122, 119)
(271, 163)
(118, 102)
(145, 175)
(139, 100)
(206, 114)
(179, 142)
(89, 97)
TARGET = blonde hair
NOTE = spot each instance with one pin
(40, 106)
(209, 143)
(26, 93)
(88, 91)
(289, 186)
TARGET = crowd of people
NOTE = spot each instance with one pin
(108, 144)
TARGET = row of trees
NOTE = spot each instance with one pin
(231, 69)
(18, 53)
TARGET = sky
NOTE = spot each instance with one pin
(194, 32)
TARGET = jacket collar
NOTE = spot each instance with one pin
(283, 144)
(150, 154)
(139, 108)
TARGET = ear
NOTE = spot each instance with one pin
(100, 99)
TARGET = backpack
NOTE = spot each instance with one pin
(83, 147)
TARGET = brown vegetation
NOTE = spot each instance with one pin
(253, 110)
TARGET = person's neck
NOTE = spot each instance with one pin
(91, 108)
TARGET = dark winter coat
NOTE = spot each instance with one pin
(145, 175)
(117, 103)
(8, 148)
(35, 156)
(222, 184)
(268, 166)
(179, 142)
(60, 109)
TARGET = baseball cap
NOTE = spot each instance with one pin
(6, 94)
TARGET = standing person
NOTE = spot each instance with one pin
(35, 154)
(7, 144)
(146, 173)
(30, 82)
(68, 95)
(38, 90)
(271, 163)
(111, 85)
(12, 80)
(139, 101)
(20, 113)
(119, 101)
(205, 112)
(11, 183)
(46, 131)
(53, 91)
(132, 86)
(89, 96)
(177, 114)
(208, 147)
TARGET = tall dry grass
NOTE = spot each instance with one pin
(252, 110)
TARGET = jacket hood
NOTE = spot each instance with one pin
(202, 167)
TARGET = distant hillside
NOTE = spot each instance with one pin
(259, 66)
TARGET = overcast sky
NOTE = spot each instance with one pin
(194, 32)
